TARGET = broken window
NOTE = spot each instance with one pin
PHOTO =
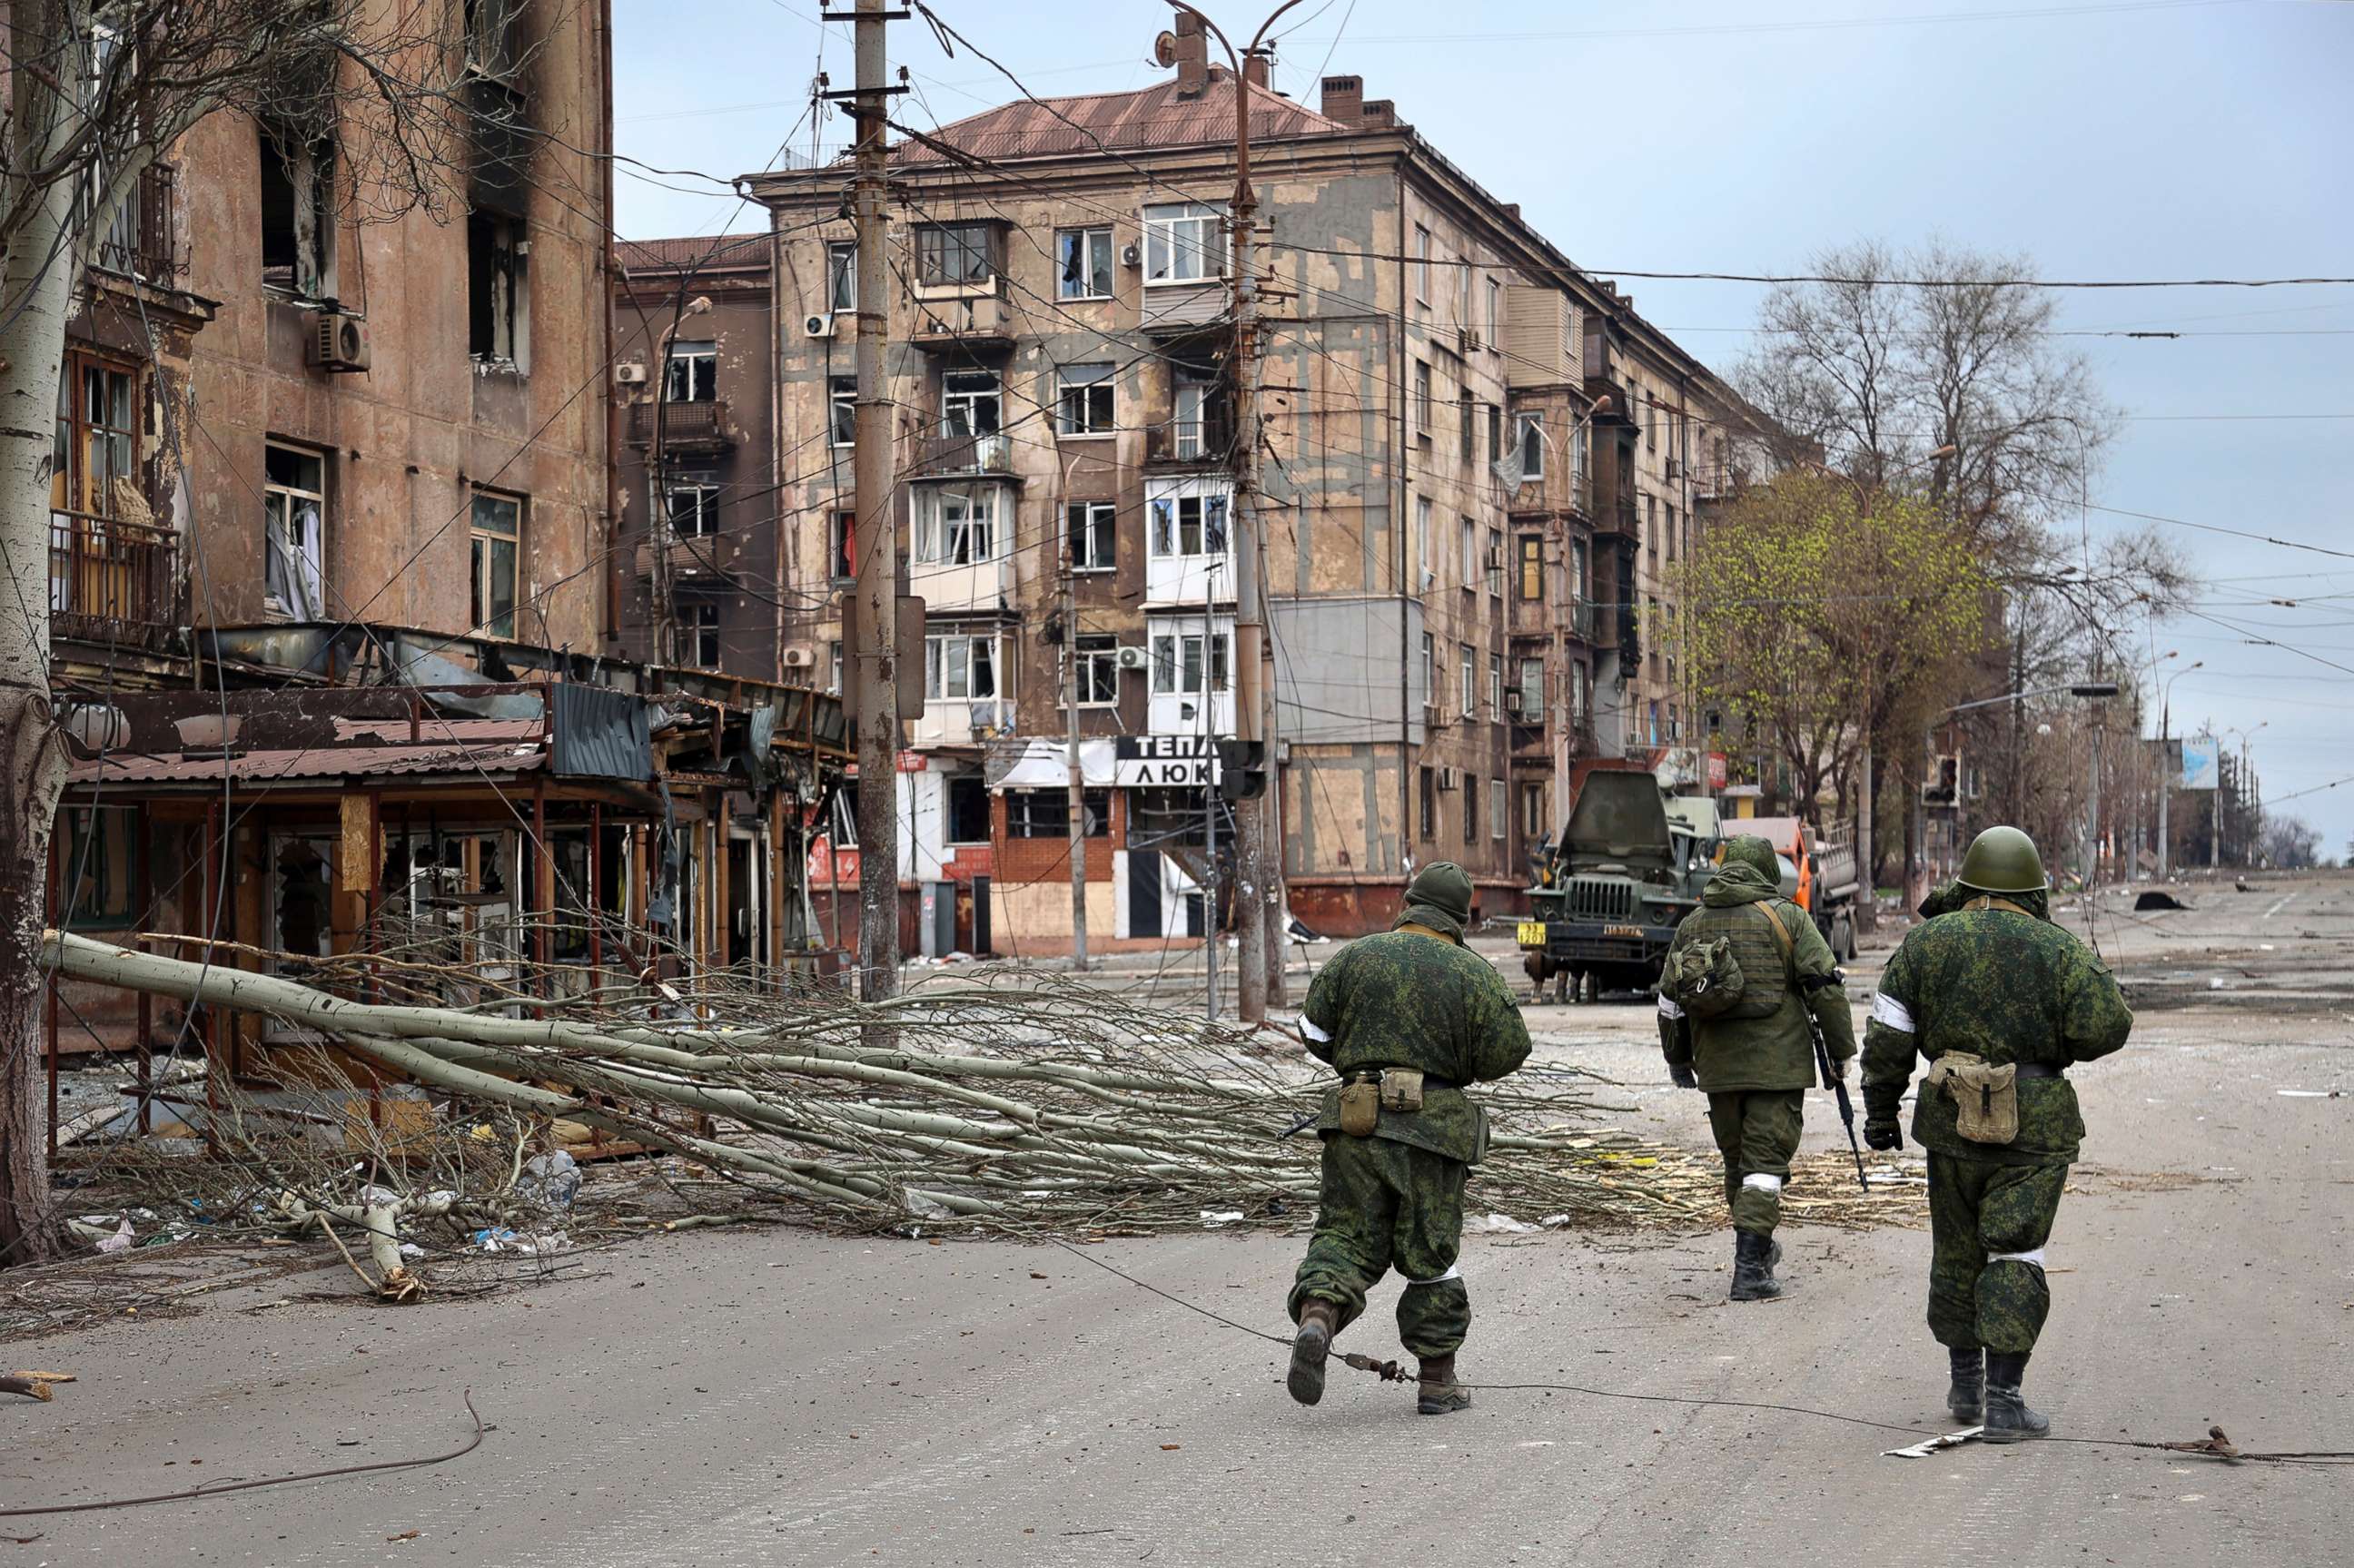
(1182, 243)
(1098, 670)
(694, 508)
(968, 813)
(94, 471)
(691, 373)
(1189, 525)
(1086, 257)
(497, 542)
(841, 394)
(293, 526)
(958, 667)
(955, 526)
(1046, 814)
(696, 624)
(1087, 401)
(1471, 811)
(298, 211)
(1426, 796)
(842, 275)
(842, 546)
(971, 403)
(100, 846)
(1093, 535)
(302, 920)
(1528, 432)
(1201, 422)
(953, 253)
(493, 49)
(496, 301)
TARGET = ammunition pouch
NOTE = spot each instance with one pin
(1360, 1107)
(1985, 1096)
(1401, 1089)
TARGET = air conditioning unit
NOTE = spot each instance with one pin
(1133, 659)
(1448, 778)
(631, 374)
(1131, 256)
(339, 343)
(817, 324)
(799, 656)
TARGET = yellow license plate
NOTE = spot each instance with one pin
(1622, 930)
(1533, 934)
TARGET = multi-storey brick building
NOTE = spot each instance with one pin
(1448, 602)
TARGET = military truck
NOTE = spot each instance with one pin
(1628, 866)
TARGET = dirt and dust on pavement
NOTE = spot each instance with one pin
(770, 1396)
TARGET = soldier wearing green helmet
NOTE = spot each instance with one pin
(1744, 975)
(2000, 1002)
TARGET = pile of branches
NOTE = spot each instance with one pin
(1007, 1101)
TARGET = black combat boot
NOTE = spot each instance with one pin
(1967, 1397)
(1754, 1257)
(2007, 1418)
(1439, 1393)
(1319, 1321)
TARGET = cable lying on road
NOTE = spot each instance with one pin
(2214, 1446)
(193, 1493)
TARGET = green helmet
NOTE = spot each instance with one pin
(2002, 860)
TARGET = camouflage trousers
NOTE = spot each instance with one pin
(1756, 1131)
(1390, 1205)
(1981, 1216)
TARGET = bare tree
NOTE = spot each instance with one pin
(2289, 843)
(97, 91)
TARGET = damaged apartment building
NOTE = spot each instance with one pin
(1477, 465)
(330, 578)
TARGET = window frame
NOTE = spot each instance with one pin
(1097, 669)
(1184, 665)
(841, 277)
(841, 411)
(941, 539)
(938, 244)
(1084, 237)
(1495, 685)
(699, 357)
(695, 621)
(937, 666)
(1162, 224)
(1422, 264)
(1466, 674)
(1095, 522)
(1528, 432)
(1533, 693)
(275, 491)
(1421, 398)
(1496, 314)
(1166, 531)
(94, 868)
(1499, 810)
(1471, 793)
(1427, 802)
(706, 489)
(1468, 547)
(969, 401)
(1528, 573)
(483, 544)
(1020, 822)
(1094, 394)
(1495, 563)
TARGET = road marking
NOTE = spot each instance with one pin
(2280, 903)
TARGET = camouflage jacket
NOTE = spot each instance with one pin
(2001, 985)
(1776, 1052)
(1405, 1000)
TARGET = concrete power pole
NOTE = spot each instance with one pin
(1076, 782)
(877, 585)
(1256, 877)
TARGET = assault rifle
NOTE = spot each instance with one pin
(1838, 1086)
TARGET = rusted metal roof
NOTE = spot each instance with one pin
(706, 252)
(1150, 117)
(433, 729)
(310, 763)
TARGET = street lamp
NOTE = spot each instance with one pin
(2167, 769)
(2215, 849)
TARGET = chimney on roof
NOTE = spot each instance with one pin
(1380, 114)
(1192, 56)
(1254, 69)
(1512, 210)
(1344, 99)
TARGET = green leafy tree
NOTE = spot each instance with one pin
(1822, 614)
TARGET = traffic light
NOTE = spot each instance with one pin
(1242, 770)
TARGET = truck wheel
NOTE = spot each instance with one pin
(1843, 940)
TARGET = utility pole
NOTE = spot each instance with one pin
(877, 585)
(1254, 879)
(1076, 782)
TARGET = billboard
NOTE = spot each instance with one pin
(2201, 765)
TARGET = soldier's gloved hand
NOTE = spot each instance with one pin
(1841, 1066)
(1883, 1134)
(1684, 1077)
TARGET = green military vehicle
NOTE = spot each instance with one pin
(1628, 866)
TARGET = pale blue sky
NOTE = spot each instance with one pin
(2163, 139)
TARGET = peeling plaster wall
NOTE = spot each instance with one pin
(409, 441)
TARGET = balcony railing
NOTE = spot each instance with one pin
(952, 457)
(112, 582)
(141, 242)
(693, 557)
(685, 427)
(1199, 443)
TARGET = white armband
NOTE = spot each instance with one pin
(1308, 1028)
(1667, 1008)
(1887, 1009)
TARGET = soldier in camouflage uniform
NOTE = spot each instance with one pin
(1756, 1061)
(1413, 998)
(1996, 981)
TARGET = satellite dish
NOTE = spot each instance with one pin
(1164, 50)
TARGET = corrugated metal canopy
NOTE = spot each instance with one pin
(310, 763)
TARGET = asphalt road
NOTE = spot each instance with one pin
(742, 1397)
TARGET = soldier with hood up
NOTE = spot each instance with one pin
(1745, 970)
(1408, 1018)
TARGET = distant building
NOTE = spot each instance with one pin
(1460, 554)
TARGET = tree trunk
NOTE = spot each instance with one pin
(35, 280)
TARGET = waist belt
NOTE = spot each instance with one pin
(1374, 1075)
(2035, 1070)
